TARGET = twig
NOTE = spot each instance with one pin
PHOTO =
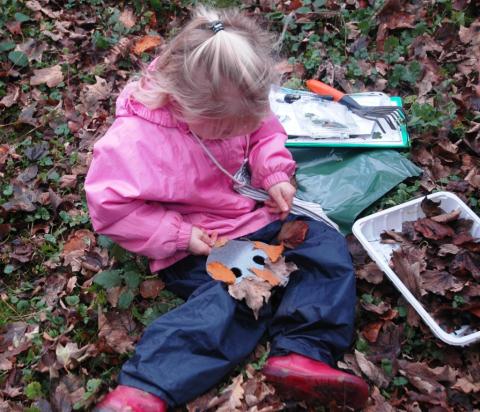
(279, 42)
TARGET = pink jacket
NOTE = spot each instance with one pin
(150, 181)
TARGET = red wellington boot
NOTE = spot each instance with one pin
(310, 379)
(129, 399)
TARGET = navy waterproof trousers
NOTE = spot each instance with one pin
(190, 349)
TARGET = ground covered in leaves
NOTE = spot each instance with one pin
(72, 304)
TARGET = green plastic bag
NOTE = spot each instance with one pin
(345, 181)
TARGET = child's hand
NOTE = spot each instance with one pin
(201, 242)
(281, 198)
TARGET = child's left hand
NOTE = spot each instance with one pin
(281, 199)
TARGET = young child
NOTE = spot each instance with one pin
(160, 184)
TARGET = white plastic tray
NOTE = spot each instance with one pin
(368, 229)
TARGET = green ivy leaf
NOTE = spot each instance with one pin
(108, 278)
(18, 58)
(132, 279)
(8, 269)
(125, 299)
(6, 45)
(33, 390)
(21, 17)
(72, 300)
(399, 381)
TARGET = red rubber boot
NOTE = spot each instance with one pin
(129, 399)
(306, 378)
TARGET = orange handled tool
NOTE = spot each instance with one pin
(394, 116)
(323, 89)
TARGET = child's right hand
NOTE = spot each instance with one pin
(201, 242)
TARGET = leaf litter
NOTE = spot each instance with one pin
(424, 264)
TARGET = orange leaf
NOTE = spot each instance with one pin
(219, 271)
(266, 275)
(293, 233)
(371, 331)
(273, 251)
(146, 43)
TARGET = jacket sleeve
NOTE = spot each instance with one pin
(270, 161)
(119, 196)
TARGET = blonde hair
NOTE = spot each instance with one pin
(207, 75)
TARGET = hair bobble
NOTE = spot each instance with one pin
(216, 26)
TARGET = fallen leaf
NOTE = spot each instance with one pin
(127, 18)
(370, 332)
(377, 403)
(116, 329)
(466, 263)
(447, 217)
(146, 43)
(407, 271)
(371, 273)
(439, 282)
(374, 373)
(254, 291)
(292, 234)
(430, 207)
(466, 385)
(66, 355)
(52, 76)
(151, 288)
(68, 181)
(433, 230)
(94, 93)
(281, 269)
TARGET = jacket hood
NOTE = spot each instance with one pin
(126, 105)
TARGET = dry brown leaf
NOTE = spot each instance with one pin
(447, 217)
(371, 331)
(146, 43)
(439, 282)
(273, 251)
(113, 294)
(292, 234)
(116, 329)
(68, 181)
(151, 288)
(374, 373)
(430, 207)
(52, 76)
(377, 403)
(466, 385)
(74, 249)
(433, 230)
(93, 93)
(371, 273)
(407, 271)
(426, 379)
(219, 271)
(255, 292)
(70, 354)
(281, 269)
(127, 18)
(234, 395)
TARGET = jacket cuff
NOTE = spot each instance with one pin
(184, 235)
(275, 178)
